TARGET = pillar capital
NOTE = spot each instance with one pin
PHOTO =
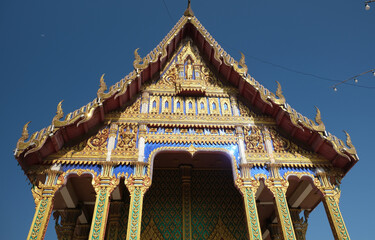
(331, 197)
(135, 182)
(247, 182)
(44, 194)
(137, 186)
(103, 184)
(248, 187)
(278, 186)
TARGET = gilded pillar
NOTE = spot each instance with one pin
(44, 195)
(68, 220)
(331, 198)
(114, 220)
(248, 187)
(137, 186)
(278, 187)
(103, 184)
(299, 223)
(186, 201)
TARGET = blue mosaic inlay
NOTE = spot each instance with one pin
(123, 169)
(283, 170)
(66, 167)
(259, 170)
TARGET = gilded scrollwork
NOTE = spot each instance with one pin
(254, 139)
(94, 146)
(126, 141)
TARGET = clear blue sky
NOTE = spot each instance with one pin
(52, 50)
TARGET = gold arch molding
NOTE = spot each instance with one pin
(192, 150)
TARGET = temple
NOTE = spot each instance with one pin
(186, 146)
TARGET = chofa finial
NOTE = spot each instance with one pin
(349, 143)
(318, 120)
(318, 117)
(279, 94)
(102, 87)
(188, 12)
(59, 112)
(25, 133)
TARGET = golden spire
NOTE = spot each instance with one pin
(188, 12)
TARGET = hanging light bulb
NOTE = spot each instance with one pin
(355, 80)
(367, 7)
(335, 89)
(373, 73)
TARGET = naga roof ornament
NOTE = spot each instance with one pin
(235, 73)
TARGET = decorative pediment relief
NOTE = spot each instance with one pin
(94, 146)
(288, 151)
(187, 74)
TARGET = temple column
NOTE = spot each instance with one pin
(278, 187)
(68, 220)
(137, 185)
(186, 201)
(331, 198)
(103, 184)
(114, 220)
(44, 195)
(299, 224)
(248, 187)
(276, 233)
(81, 232)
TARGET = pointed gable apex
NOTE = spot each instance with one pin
(32, 150)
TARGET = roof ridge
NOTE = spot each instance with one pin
(159, 53)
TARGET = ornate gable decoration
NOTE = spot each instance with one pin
(185, 79)
(187, 75)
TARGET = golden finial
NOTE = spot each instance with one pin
(137, 59)
(349, 143)
(103, 86)
(25, 133)
(318, 120)
(279, 94)
(59, 112)
(348, 140)
(188, 12)
(242, 61)
(318, 117)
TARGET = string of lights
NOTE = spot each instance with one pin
(367, 5)
(355, 79)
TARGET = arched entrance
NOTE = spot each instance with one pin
(193, 197)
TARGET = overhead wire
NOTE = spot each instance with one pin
(166, 7)
(338, 82)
